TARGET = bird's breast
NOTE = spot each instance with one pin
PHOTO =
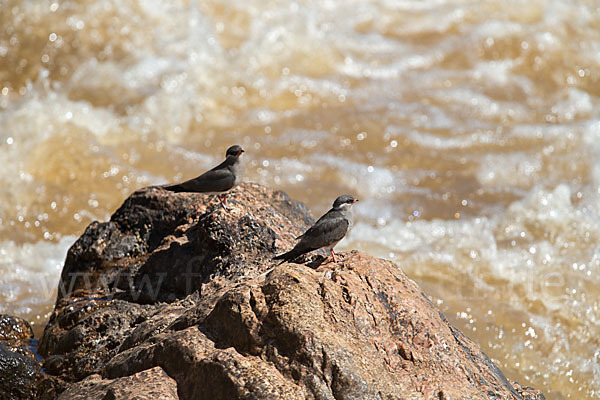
(238, 173)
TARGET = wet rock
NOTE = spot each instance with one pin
(14, 330)
(18, 369)
(16, 335)
(18, 374)
(87, 333)
(170, 288)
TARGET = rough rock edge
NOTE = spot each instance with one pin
(151, 384)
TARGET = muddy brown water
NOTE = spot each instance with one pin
(469, 130)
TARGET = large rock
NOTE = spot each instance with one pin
(159, 247)
(170, 289)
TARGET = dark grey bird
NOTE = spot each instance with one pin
(327, 231)
(219, 180)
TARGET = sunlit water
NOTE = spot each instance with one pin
(470, 130)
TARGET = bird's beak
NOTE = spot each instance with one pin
(355, 201)
(240, 152)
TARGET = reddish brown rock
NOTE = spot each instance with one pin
(152, 384)
(171, 285)
(356, 330)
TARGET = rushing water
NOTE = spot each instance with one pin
(470, 130)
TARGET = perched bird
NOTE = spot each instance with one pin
(327, 231)
(219, 180)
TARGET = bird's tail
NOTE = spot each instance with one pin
(290, 255)
(174, 188)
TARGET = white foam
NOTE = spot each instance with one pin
(577, 104)
(369, 180)
(516, 169)
(29, 276)
(40, 115)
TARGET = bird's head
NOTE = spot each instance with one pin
(234, 151)
(344, 202)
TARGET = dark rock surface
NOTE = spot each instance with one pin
(167, 295)
(16, 333)
(18, 374)
(19, 371)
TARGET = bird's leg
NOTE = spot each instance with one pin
(223, 199)
(333, 255)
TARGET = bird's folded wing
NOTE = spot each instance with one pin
(325, 232)
(218, 180)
